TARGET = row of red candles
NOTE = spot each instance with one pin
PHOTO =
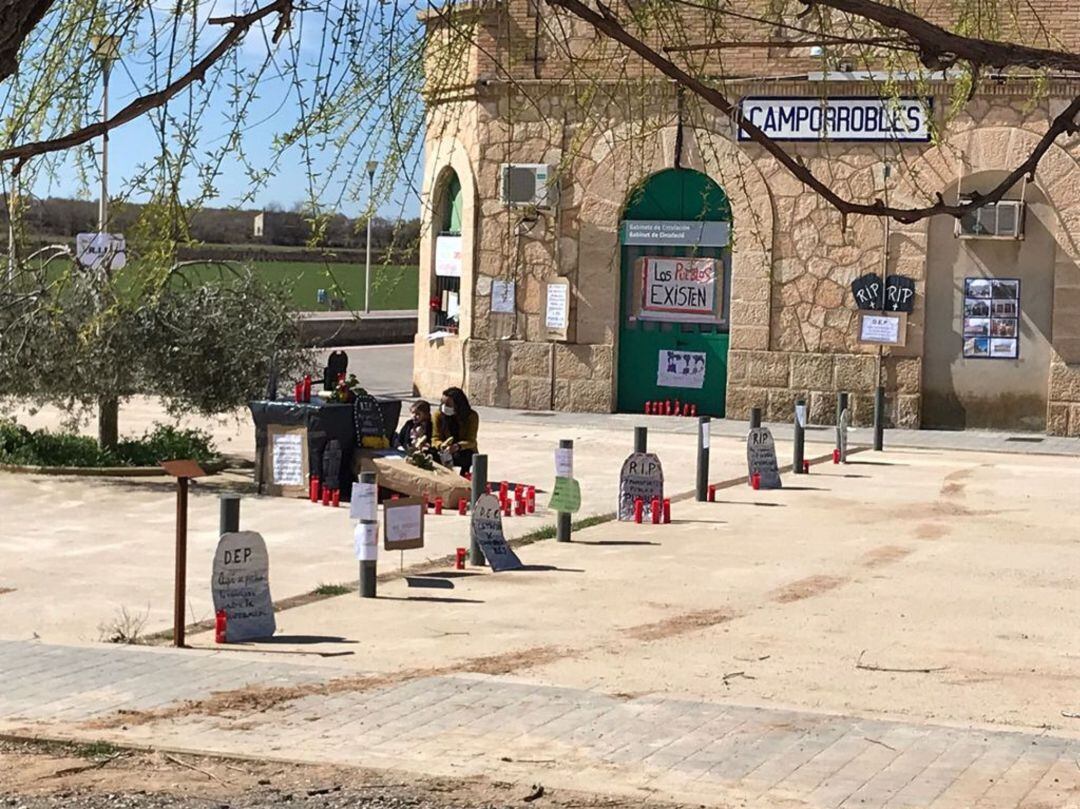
(665, 407)
(524, 498)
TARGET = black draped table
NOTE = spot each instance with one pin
(324, 421)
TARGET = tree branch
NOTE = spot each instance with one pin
(17, 19)
(607, 23)
(143, 104)
(941, 48)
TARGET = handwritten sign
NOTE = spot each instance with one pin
(403, 524)
(487, 530)
(678, 288)
(502, 297)
(366, 541)
(680, 369)
(448, 256)
(363, 506)
(101, 250)
(288, 459)
(558, 302)
(240, 585)
(566, 496)
(761, 457)
(564, 462)
(884, 329)
(642, 476)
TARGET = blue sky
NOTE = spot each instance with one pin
(275, 110)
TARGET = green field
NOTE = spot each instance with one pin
(392, 286)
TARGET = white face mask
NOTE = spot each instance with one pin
(446, 410)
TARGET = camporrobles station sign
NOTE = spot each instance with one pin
(839, 119)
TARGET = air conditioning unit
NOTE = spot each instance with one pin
(526, 185)
(996, 220)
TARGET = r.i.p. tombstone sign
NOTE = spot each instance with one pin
(642, 478)
(761, 458)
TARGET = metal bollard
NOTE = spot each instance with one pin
(562, 520)
(368, 575)
(641, 439)
(704, 425)
(228, 514)
(479, 487)
(800, 438)
(755, 417)
(879, 418)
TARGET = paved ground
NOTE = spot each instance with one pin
(470, 725)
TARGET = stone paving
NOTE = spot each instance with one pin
(507, 727)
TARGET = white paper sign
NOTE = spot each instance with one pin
(564, 463)
(362, 506)
(502, 297)
(96, 250)
(288, 459)
(403, 523)
(705, 429)
(880, 329)
(557, 301)
(800, 415)
(448, 256)
(366, 541)
(453, 306)
(680, 369)
(682, 289)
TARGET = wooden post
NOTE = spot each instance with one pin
(183, 471)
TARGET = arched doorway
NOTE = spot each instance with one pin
(675, 293)
(446, 283)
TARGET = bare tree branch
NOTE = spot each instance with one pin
(239, 25)
(17, 19)
(941, 48)
(607, 23)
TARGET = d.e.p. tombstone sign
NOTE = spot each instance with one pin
(761, 458)
(642, 477)
(487, 530)
(241, 586)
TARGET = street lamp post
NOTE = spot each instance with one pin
(371, 166)
(105, 48)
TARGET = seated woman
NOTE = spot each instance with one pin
(454, 429)
(416, 432)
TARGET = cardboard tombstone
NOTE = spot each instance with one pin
(641, 476)
(761, 458)
(241, 586)
(487, 530)
(867, 291)
(336, 365)
(331, 465)
(899, 294)
(368, 417)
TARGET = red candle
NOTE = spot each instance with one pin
(531, 500)
(806, 467)
(506, 508)
(755, 481)
(712, 493)
(459, 559)
(438, 506)
(462, 506)
(648, 408)
(639, 507)
(667, 511)
(504, 487)
(836, 456)
(314, 493)
(298, 392)
(325, 496)
(654, 510)
(335, 498)
(307, 387)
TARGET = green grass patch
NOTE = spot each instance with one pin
(21, 446)
(333, 590)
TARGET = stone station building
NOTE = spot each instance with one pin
(566, 184)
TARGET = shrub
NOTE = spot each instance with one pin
(24, 447)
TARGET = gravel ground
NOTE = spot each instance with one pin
(45, 775)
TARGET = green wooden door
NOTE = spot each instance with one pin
(673, 195)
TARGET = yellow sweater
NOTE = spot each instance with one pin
(440, 431)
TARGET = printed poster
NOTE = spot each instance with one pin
(680, 369)
(991, 318)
